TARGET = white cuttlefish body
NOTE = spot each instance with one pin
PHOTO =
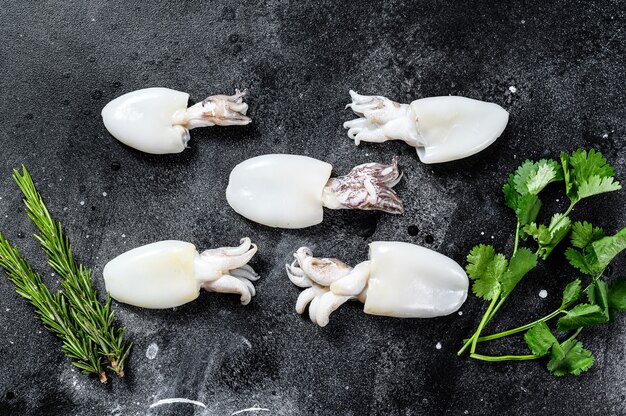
(291, 191)
(399, 280)
(170, 273)
(441, 129)
(157, 120)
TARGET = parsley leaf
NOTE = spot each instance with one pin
(584, 233)
(578, 260)
(521, 263)
(571, 293)
(597, 185)
(582, 315)
(607, 248)
(569, 358)
(617, 295)
(539, 339)
(528, 207)
(548, 238)
(486, 268)
(532, 177)
(588, 164)
(510, 194)
(587, 174)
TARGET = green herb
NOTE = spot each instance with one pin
(52, 310)
(585, 174)
(76, 316)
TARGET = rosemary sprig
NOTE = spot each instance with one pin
(52, 311)
(95, 318)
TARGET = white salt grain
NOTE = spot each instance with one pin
(438, 346)
(152, 351)
(512, 89)
(543, 293)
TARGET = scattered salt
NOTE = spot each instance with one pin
(438, 346)
(543, 293)
(104, 194)
(604, 136)
(482, 233)
(460, 313)
(512, 89)
(82, 202)
(152, 351)
(123, 235)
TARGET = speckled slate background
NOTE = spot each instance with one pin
(61, 61)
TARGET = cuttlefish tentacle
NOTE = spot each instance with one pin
(221, 110)
(229, 258)
(366, 187)
(231, 284)
(329, 284)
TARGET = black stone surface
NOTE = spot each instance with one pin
(61, 61)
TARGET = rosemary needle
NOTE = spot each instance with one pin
(52, 310)
(95, 318)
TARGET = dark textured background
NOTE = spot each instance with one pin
(61, 61)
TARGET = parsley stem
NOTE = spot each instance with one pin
(494, 358)
(484, 321)
(519, 328)
(516, 237)
(574, 335)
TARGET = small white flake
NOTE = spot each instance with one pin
(438, 346)
(522, 22)
(460, 313)
(8, 309)
(543, 293)
(512, 89)
(482, 233)
(11, 342)
(604, 136)
(492, 237)
(104, 194)
(152, 351)
(123, 235)
(82, 202)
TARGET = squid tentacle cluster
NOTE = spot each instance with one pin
(170, 273)
(399, 280)
(367, 187)
(440, 128)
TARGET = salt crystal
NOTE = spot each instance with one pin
(82, 202)
(543, 293)
(152, 351)
(512, 89)
(104, 194)
(438, 346)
